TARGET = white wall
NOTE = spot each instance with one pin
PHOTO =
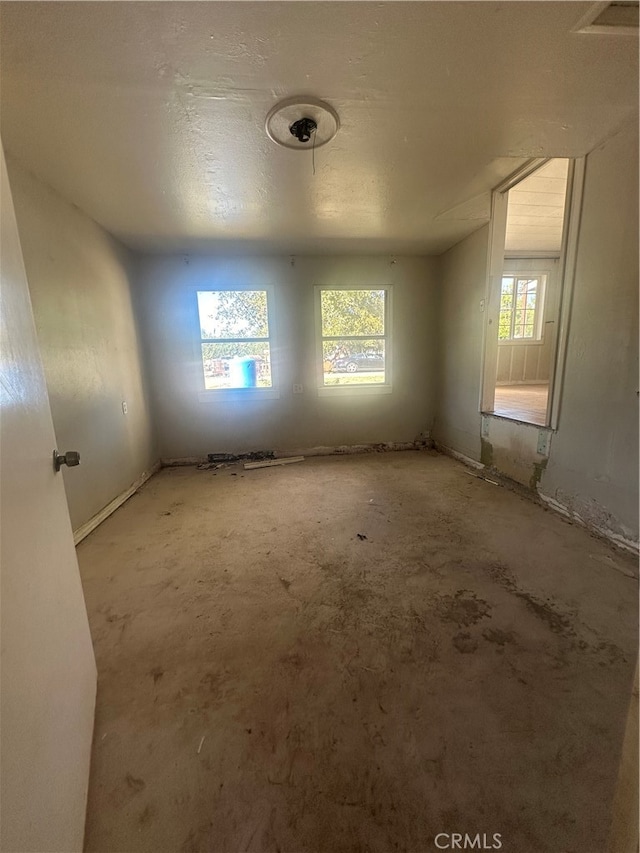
(188, 427)
(79, 280)
(593, 468)
(463, 272)
(593, 465)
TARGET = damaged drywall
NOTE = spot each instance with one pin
(511, 449)
(591, 473)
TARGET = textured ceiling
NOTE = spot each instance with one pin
(150, 116)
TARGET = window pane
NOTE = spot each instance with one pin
(528, 331)
(352, 312)
(233, 314)
(518, 331)
(531, 300)
(349, 362)
(507, 286)
(504, 327)
(237, 365)
(521, 301)
(522, 285)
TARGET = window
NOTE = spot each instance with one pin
(520, 308)
(234, 339)
(354, 340)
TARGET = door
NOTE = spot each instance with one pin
(48, 674)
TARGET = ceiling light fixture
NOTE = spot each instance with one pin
(303, 128)
(293, 122)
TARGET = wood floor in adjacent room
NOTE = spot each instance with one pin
(522, 402)
(353, 654)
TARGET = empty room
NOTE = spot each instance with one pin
(319, 413)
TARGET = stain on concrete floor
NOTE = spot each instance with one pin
(270, 682)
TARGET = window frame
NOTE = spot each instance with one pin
(208, 395)
(538, 316)
(385, 387)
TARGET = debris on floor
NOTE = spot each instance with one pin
(361, 536)
(222, 460)
(480, 477)
(253, 456)
(269, 463)
(134, 783)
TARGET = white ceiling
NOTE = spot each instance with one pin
(535, 210)
(150, 116)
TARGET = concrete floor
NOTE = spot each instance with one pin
(269, 681)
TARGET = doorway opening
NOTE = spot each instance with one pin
(527, 301)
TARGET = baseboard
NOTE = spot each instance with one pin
(614, 538)
(467, 460)
(349, 449)
(85, 529)
(183, 461)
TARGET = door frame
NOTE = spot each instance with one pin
(566, 275)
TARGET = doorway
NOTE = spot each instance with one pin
(527, 302)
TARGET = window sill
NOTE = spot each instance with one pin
(353, 390)
(520, 342)
(502, 417)
(235, 395)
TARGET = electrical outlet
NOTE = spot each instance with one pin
(485, 426)
(297, 389)
(124, 408)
